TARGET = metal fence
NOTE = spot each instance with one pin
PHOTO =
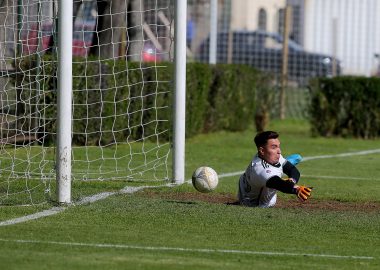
(325, 38)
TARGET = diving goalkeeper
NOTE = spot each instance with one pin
(259, 184)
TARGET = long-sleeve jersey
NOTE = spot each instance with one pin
(259, 183)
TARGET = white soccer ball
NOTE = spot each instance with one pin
(205, 179)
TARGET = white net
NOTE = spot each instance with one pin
(121, 93)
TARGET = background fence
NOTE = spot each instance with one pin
(327, 38)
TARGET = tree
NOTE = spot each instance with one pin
(112, 20)
(6, 18)
(116, 19)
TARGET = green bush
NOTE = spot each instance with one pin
(346, 106)
(231, 98)
(120, 101)
(198, 82)
(114, 101)
(36, 96)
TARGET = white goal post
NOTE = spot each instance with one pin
(88, 95)
(180, 92)
(65, 84)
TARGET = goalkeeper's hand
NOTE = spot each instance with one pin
(303, 193)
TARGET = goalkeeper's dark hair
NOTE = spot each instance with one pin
(262, 138)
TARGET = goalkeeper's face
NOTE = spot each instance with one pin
(271, 152)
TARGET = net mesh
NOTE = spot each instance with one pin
(121, 87)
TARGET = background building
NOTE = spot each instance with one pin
(346, 29)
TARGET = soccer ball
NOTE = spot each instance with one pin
(205, 179)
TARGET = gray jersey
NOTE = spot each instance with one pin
(252, 183)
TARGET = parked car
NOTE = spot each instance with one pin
(34, 40)
(263, 50)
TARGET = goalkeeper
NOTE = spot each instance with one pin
(258, 185)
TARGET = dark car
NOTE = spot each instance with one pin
(263, 50)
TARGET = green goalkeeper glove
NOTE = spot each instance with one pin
(303, 193)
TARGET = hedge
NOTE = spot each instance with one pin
(231, 98)
(120, 101)
(346, 106)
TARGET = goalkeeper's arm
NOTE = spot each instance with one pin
(302, 192)
(281, 185)
(290, 170)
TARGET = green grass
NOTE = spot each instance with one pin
(22, 169)
(163, 231)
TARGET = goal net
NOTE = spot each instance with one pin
(120, 100)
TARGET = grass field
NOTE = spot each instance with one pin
(179, 228)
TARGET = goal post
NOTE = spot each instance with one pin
(64, 98)
(86, 97)
(180, 93)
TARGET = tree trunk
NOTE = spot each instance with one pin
(135, 37)
(111, 22)
(76, 7)
(7, 17)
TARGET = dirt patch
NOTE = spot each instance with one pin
(230, 199)
(191, 196)
(366, 207)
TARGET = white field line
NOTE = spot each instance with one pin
(349, 154)
(127, 189)
(86, 200)
(223, 175)
(45, 213)
(338, 177)
(179, 249)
